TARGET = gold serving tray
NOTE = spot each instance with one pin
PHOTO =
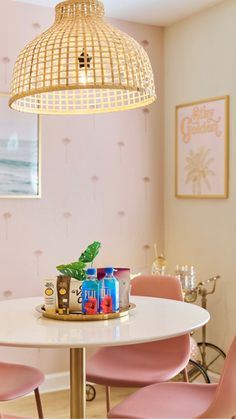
(84, 317)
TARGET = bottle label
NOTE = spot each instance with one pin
(106, 300)
(90, 294)
(91, 306)
(89, 298)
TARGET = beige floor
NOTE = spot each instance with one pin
(56, 405)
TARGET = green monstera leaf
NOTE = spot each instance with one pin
(90, 253)
(74, 270)
(77, 269)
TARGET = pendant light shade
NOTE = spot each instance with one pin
(81, 65)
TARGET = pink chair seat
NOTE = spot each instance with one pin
(161, 362)
(5, 416)
(184, 400)
(18, 380)
(178, 401)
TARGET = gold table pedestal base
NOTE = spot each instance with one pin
(77, 383)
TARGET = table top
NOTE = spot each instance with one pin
(152, 319)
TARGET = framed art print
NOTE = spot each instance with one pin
(202, 131)
(19, 153)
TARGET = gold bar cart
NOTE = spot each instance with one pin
(210, 355)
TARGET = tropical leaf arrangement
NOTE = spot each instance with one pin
(77, 269)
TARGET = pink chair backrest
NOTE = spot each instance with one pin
(162, 286)
(224, 402)
(157, 286)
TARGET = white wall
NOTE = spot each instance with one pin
(200, 63)
(67, 185)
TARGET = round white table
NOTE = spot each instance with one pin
(152, 319)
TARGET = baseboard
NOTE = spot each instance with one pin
(56, 382)
(61, 381)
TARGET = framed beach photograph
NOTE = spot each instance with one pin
(20, 145)
(202, 143)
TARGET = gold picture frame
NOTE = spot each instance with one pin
(20, 153)
(202, 149)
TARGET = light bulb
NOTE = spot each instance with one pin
(82, 77)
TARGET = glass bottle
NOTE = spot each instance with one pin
(90, 293)
(187, 276)
(109, 293)
(159, 265)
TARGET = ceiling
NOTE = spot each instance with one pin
(154, 12)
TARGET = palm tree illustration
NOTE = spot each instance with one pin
(198, 170)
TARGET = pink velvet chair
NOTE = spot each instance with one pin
(19, 380)
(142, 364)
(184, 400)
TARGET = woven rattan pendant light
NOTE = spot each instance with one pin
(81, 65)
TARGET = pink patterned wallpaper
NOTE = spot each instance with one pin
(102, 176)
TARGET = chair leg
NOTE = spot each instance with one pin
(38, 403)
(108, 398)
(185, 375)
